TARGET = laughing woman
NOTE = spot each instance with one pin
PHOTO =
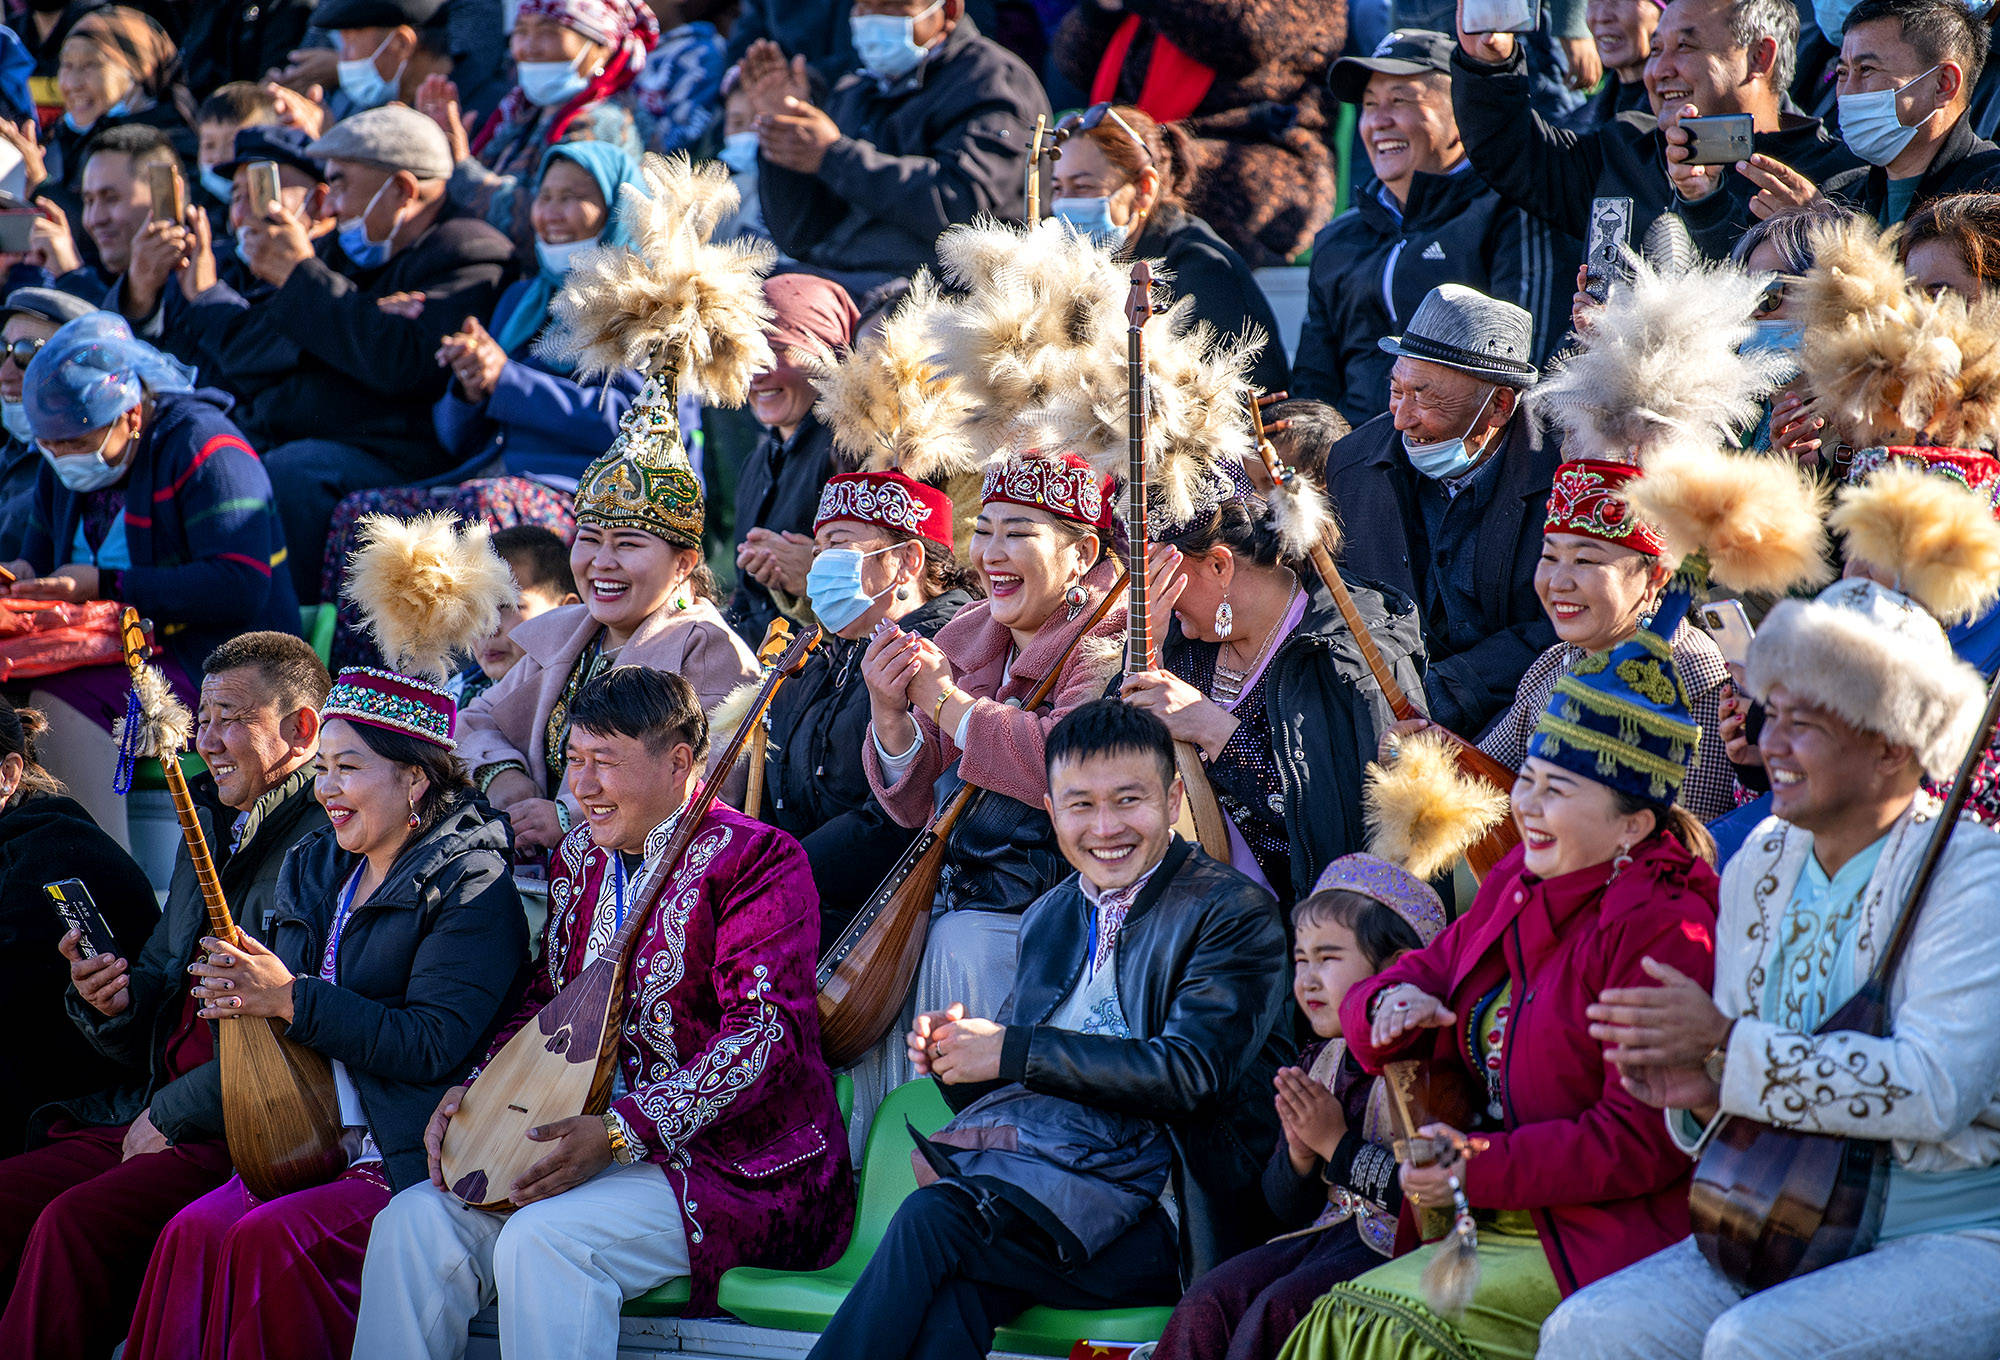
(1573, 1178)
(647, 601)
(397, 942)
(947, 713)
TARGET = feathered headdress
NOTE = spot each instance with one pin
(673, 301)
(890, 403)
(1422, 811)
(1889, 364)
(1937, 539)
(1659, 362)
(1750, 522)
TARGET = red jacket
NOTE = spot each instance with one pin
(1594, 1166)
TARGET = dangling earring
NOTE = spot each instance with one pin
(680, 599)
(414, 819)
(1622, 860)
(1074, 600)
(1225, 619)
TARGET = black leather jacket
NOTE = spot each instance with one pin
(1204, 980)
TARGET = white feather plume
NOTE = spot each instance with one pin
(165, 724)
(890, 403)
(673, 301)
(1660, 360)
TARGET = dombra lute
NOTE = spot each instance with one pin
(280, 1113)
(1473, 762)
(561, 1063)
(1201, 817)
(864, 976)
(1770, 1204)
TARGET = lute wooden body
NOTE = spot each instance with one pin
(864, 975)
(1769, 1204)
(280, 1112)
(1487, 852)
(561, 1063)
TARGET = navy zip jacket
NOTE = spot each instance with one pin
(200, 524)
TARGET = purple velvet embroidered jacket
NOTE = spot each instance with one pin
(724, 1085)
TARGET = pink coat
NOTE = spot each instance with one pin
(1592, 1165)
(510, 721)
(1003, 744)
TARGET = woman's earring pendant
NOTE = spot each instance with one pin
(1225, 620)
(1074, 600)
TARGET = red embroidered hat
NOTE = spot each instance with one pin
(1585, 500)
(1063, 485)
(889, 499)
(1972, 469)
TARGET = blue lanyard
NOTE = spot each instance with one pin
(328, 964)
(618, 881)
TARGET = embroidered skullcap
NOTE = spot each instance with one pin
(889, 499)
(1064, 485)
(1584, 500)
(393, 703)
(1390, 884)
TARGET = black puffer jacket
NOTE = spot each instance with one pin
(428, 968)
(1204, 981)
(814, 783)
(188, 1106)
(1326, 713)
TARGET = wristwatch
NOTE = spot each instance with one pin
(622, 1151)
(1717, 1056)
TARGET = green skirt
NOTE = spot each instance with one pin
(1382, 1315)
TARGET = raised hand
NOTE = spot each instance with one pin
(437, 100)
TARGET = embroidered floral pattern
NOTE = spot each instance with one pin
(1066, 487)
(692, 1098)
(1584, 500)
(1805, 1074)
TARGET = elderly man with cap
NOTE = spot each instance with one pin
(777, 491)
(339, 388)
(166, 252)
(27, 320)
(1428, 218)
(150, 496)
(1453, 483)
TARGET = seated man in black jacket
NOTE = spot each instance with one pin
(118, 1164)
(338, 389)
(1905, 76)
(933, 130)
(1709, 57)
(1426, 219)
(1451, 487)
(1144, 1029)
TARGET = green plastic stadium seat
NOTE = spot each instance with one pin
(806, 1300)
(671, 1297)
(316, 623)
(1053, 1331)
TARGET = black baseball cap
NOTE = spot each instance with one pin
(1406, 52)
(273, 142)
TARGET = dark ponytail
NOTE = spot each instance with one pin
(1674, 820)
(18, 729)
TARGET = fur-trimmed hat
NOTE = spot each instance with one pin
(1878, 661)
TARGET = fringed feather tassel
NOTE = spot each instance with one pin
(163, 725)
(1890, 364)
(1758, 521)
(1937, 539)
(428, 588)
(727, 716)
(1451, 1276)
(1302, 517)
(1421, 812)
(1660, 361)
(673, 301)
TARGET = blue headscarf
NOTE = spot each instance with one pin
(613, 169)
(92, 371)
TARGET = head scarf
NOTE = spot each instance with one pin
(809, 313)
(92, 371)
(134, 41)
(628, 27)
(613, 169)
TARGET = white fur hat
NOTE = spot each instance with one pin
(1875, 659)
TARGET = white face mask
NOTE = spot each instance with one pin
(549, 83)
(14, 416)
(366, 87)
(1871, 126)
(84, 472)
(739, 152)
(558, 256)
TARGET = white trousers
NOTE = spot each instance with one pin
(561, 1268)
(1935, 1296)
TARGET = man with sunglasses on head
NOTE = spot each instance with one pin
(931, 131)
(27, 319)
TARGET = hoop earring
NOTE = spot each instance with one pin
(1225, 619)
(1622, 860)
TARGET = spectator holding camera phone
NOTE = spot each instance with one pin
(1709, 57)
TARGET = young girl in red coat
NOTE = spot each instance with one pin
(1567, 1175)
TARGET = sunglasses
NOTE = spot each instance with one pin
(22, 351)
(1091, 119)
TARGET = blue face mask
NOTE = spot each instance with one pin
(549, 83)
(14, 417)
(115, 111)
(219, 185)
(1447, 458)
(886, 44)
(1092, 217)
(366, 87)
(354, 242)
(1831, 16)
(557, 257)
(739, 152)
(834, 586)
(1872, 128)
(1776, 337)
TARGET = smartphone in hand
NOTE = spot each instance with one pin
(79, 912)
(1723, 139)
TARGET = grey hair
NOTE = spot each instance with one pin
(1751, 21)
(1791, 232)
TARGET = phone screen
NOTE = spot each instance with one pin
(1499, 16)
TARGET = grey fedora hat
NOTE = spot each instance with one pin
(1462, 328)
